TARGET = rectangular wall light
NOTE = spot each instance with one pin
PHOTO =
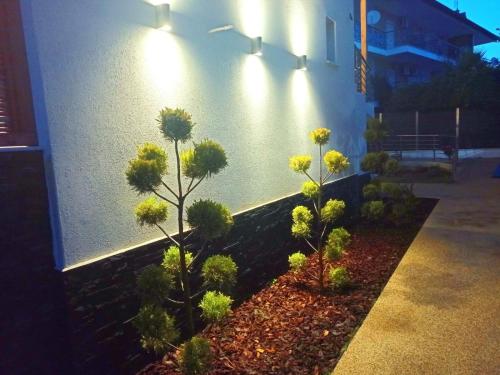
(257, 46)
(163, 17)
(302, 62)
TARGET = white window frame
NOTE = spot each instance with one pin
(328, 22)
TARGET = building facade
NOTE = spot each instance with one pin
(411, 43)
(82, 83)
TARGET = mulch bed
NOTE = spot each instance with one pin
(291, 328)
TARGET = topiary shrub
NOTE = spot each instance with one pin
(297, 261)
(338, 277)
(391, 167)
(374, 162)
(157, 328)
(311, 225)
(371, 191)
(373, 210)
(215, 306)
(208, 219)
(219, 273)
(195, 356)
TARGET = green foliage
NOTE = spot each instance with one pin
(156, 327)
(300, 163)
(175, 124)
(215, 306)
(335, 162)
(297, 261)
(472, 83)
(195, 356)
(153, 285)
(391, 167)
(374, 162)
(375, 130)
(391, 190)
(320, 136)
(373, 210)
(144, 173)
(210, 219)
(402, 211)
(310, 189)
(219, 273)
(172, 260)
(371, 192)
(338, 277)
(207, 158)
(302, 218)
(337, 241)
(302, 214)
(151, 212)
(332, 210)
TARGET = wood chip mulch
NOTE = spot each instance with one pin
(291, 328)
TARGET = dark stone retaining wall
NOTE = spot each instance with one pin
(32, 329)
(102, 299)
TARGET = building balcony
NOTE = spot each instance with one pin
(401, 41)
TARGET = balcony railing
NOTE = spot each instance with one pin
(406, 37)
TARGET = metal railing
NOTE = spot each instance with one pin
(361, 69)
(406, 36)
(420, 146)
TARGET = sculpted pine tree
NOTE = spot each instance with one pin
(206, 218)
(311, 226)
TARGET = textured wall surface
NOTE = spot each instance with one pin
(102, 298)
(31, 325)
(101, 73)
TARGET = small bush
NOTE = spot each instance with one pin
(310, 189)
(374, 162)
(371, 192)
(335, 161)
(391, 167)
(337, 241)
(297, 261)
(391, 190)
(156, 327)
(215, 306)
(175, 124)
(172, 260)
(153, 285)
(300, 163)
(210, 219)
(219, 273)
(320, 136)
(151, 212)
(332, 210)
(373, 210)
(195, 356)
(338, 277)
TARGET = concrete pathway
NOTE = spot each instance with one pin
(440, 311)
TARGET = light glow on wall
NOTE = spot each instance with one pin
(252, 17)
(165, 64)
(301, 91)
(255, 82)
(297, 27)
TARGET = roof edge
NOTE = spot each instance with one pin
(459, 17)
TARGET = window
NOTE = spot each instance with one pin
(16, 111)
(331, 41)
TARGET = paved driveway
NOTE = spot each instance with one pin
(440, 311)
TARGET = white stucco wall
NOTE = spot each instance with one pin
(101, 73)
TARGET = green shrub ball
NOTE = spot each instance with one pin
(210, 219)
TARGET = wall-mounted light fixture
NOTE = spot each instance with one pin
(257, 46)
(163, 17)
(302, 62)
